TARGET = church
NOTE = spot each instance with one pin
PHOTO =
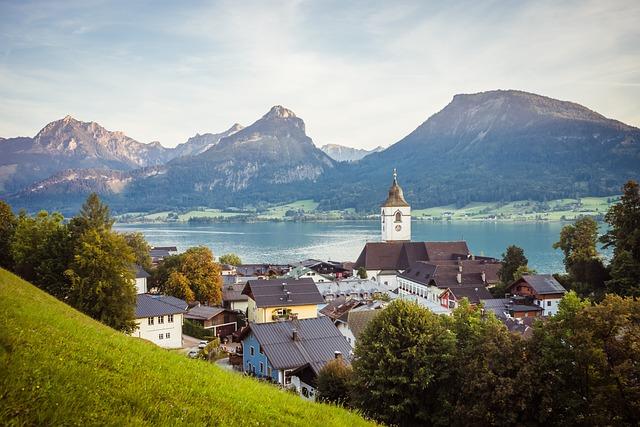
(442, 265)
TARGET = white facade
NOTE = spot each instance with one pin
(409, 287)
(141, 285)
(164, 331)
(549, 306)
(305, 390)
(346, 332)
(396, 223)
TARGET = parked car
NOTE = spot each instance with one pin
(203, 344)
(193, 354)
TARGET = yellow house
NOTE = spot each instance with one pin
(282, 299)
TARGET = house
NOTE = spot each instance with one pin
(234, 299)
(281, 299)
(300, 271)
(352, 287)
(338, 311)
(276, 350)
(543, 289)
(330, 268)
(141, 279)
(159, 319)
(223, 322)
(262, 271)
(452, 296)
(357, 321)
(159, 253)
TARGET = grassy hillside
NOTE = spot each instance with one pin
(58, 366)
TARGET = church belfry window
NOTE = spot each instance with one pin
(398, 217)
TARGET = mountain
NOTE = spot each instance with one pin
(497, 146)
(72, 144)
(200, 143)
(342, 153)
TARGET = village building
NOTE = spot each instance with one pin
(219, 320)
(543, 290)
(292, 352)
(387, 260)
(159, 319)
(332, 269)
(354, 288)
(141, 279)
(281, 299)
(300, 272)
(262, 271)
(234, 299)
(159, 253)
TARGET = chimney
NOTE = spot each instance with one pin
(459, 278)
(484, 277)
(337, 354)
(294, 334)
(460, 268)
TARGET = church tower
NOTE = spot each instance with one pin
(395, 215)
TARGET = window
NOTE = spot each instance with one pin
(252, 351)
(269, 372)
(398, 217)
(159, 336)
(150, 320)
(170, 318)
(160, 320)
(548, 303)
(167, 335)
(261, 368)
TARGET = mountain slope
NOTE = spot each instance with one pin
(341, 153)
(499, 145)
(200, 143)
(72, 144)
(60, 367)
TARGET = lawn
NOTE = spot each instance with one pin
(59, 367)
(279, 211)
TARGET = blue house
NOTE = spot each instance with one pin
(275, 350)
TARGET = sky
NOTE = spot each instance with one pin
(359, 73)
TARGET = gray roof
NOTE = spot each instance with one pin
(359, 319)
(542, 284)
(318, 340)
(473, 294)
(148, 305)
(233, 292)
(283, 292)
(400, 255)
(140, 272)
(203, 312)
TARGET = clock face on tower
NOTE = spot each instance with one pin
(398, 227)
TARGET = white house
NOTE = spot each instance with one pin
(159, 319)
(545, 291)
(141, 279)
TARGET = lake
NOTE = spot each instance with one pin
(282, 242)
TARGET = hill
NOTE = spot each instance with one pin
(59, 367)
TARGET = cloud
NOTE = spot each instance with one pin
(360, 73)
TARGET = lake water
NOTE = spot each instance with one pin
(282, 242)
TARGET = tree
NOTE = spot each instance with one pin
(398, 366)
(624, 237)
(231, 259)
(362, 273)
(511, 260)
(578, 242)
(523, 270)
(93, 215)
(333, 382)
(8, 223)
(42, 249)
(102, 281)
(178, 285)
(140, 248)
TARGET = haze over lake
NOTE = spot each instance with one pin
(283, 242)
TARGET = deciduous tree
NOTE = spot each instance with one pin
(8, 223)
(334, 382)
(231, 259)
(177, 285)
(140, 248)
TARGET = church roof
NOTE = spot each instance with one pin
(400, 255)
(396, 197)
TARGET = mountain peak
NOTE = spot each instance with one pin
(235, 128)
(279, 112)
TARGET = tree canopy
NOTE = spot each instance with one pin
(231, 259)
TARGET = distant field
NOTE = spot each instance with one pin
(524, 210)
(59, 367)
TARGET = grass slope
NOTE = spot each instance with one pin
(58, 366)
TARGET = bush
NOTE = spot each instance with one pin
(195, 330)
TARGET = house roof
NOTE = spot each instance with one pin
(283, 292)
(542, 284)
(203, 312)
(444, 273)
(262, 269)
(317, 341)
(233, 293)
(359, 319)
(148, 305)
(338, 308)
(140, 272)
(166, 248)
(400, 255)
(352, 286)
(473, 293)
